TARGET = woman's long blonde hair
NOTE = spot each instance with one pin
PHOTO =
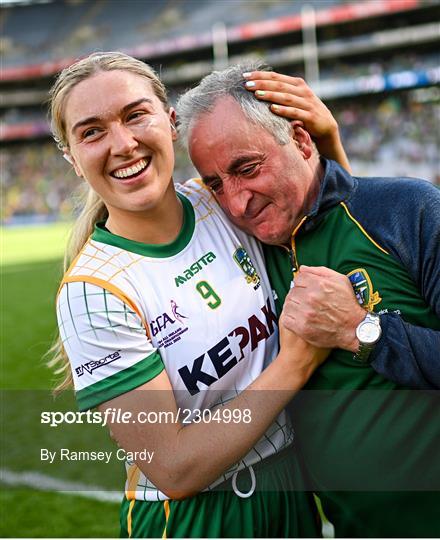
(93, 208)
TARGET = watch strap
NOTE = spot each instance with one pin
(363, 353)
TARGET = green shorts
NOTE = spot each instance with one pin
(277, 508)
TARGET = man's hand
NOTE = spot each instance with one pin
(322, 309)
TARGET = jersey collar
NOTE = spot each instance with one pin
(101, 234)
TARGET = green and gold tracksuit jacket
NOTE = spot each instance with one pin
(370, 433)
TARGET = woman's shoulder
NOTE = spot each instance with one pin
(195, 190)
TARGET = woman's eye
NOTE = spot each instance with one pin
(90, 132)
(135, 115)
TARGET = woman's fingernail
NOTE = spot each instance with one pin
(260, 92)
(274, 107)
(250, 84)
(247, 74)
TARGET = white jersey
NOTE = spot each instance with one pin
(200, 307)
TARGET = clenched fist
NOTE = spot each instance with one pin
(322, 309)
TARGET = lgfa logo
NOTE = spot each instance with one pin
(161, 322)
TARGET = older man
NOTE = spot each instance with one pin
(368, 287)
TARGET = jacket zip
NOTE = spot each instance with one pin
(292, 250)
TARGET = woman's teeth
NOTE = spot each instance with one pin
(131, 171)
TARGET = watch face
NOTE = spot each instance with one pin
(368, 332)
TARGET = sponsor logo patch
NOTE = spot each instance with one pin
(229, 351)
(243, 260)
(165, 325)
(95, 364)
(178, 316)
(194, 269)
(363, 288)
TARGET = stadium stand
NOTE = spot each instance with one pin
(67, 27)
(379, 72)
(383, 138)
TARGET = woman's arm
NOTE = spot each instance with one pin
(187, 458)
(292, 98)
(115, 365)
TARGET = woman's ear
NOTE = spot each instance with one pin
(302, 139)
(172, 116)
(69, 158)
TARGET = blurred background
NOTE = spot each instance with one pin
(375, 63)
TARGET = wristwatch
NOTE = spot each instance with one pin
(368, 333)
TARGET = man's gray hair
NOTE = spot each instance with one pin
(229, 82)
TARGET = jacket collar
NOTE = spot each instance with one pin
(336, 186)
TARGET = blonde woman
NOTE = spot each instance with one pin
(166, 308)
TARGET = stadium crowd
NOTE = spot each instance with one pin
(38, 185)
(395, 136)
(36, 181)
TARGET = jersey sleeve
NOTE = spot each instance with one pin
(106, 343)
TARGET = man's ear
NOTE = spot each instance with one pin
(172, 116)
(68, 157)
(302, 139)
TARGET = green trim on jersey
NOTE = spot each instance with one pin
(121, 382)
(159, 251)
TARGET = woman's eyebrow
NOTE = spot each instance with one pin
(124, 109)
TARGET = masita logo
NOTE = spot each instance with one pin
(363, 288)
(243, 260)
(194, 268)
(95, 364)
(221, 357)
